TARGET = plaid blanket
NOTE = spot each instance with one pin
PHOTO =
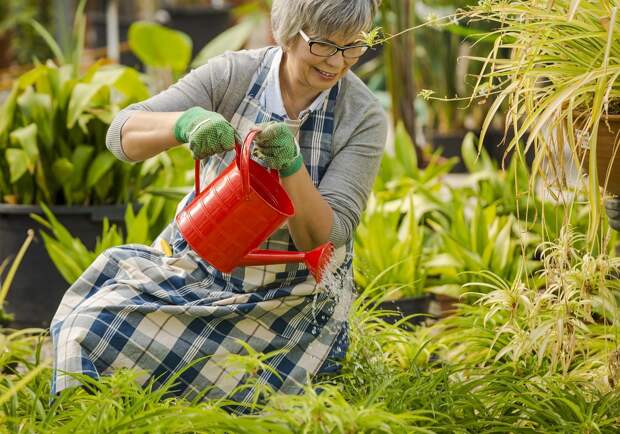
(137, 308)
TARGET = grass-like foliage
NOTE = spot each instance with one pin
(519, 360)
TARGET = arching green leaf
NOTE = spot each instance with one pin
(159, 47)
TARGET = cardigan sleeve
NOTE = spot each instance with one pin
(203, 87)
(350, 176)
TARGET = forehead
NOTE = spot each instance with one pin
(338, 38)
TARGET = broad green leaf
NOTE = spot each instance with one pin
(502, 248)
(110, 237)
(66, 264)
(171, 193)
(83, 121)
(442, 262)
(6, 115)
(43, 182)
(470, 153)
(125, 80)
(232, 39)
(102, 164)
(49, 40)
(61, 232)
(36, 108)
(82, 97)
(63, 170)
(80, 159)
(137, 226)
(451, 290)
(18, 163)
(405, 152)
(104, 185)
(26, 137)
(31, 77)
(159, 47)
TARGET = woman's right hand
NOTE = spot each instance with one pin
(208, 133)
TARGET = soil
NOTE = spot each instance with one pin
(614, 106)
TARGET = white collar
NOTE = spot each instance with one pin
(272, 97)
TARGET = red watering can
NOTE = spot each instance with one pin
(240, 209)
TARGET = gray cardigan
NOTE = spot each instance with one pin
(360, 128)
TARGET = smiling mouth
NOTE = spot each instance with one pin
(325, 74)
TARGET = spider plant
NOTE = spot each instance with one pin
(376, 392)
(569, 327)
(559, 84)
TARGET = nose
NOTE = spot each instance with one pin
(336, 61)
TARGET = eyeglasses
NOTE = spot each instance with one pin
(327, 49)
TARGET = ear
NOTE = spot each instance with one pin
(291, 43)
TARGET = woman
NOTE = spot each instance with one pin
(324, 131)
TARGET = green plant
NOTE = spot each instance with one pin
(165, 61)
(400, 174)
(169, 59)
(476, 240)
(5, 283)
(52, 133)
(165, 174)
(24, 44)
(566, 326)
(390, 245)
(70, 255)
(391, 237)
(559, 82)
(444, 66)
(250, 15)
(389, 384)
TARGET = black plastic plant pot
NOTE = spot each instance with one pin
(450, 145)
(418, 306)
(201, 23)
(38, 287)
(494, 143)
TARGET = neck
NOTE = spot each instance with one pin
(295, 95)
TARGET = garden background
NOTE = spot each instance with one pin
(485, 266)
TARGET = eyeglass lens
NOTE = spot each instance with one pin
(326, 50)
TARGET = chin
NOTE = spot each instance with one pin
(321, 85)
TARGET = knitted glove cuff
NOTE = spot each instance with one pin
(293, 167)
(187, 121)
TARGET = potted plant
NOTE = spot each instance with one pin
(52, 150)
(391, 240)
(561, 84)
(433, 56)
(201, 21)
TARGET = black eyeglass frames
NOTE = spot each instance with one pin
(327, 49)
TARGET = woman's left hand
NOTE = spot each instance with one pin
(275, 145)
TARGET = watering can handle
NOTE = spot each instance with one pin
(243, 161)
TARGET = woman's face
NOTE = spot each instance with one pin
(316, 72)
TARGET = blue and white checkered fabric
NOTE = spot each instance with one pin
(135, 307)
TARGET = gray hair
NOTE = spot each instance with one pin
(321, 17)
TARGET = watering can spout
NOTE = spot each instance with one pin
(316, 260)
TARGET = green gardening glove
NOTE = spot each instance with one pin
(612, 206)
(207, 133)
(276, 146)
